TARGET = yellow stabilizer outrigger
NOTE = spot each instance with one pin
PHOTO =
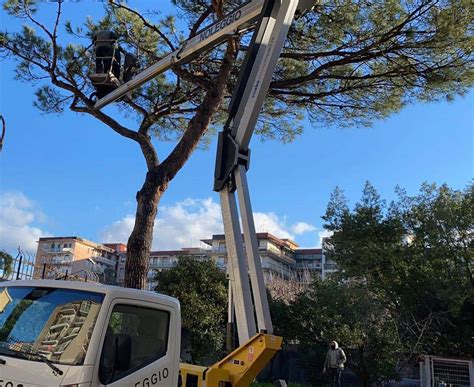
(238, 369)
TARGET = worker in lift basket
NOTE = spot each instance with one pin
(334, 363)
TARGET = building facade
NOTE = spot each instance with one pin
(57, 257)
(121, 251)
(166, 259)
(277, 255)
(281, 258)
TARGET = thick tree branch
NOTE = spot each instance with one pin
(363, 54)
(144, 141)
(136, 107)
(200, 20)
(192, 78)
(200, 122)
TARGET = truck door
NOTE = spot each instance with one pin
(139, 346)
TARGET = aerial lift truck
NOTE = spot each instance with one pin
(63, 333)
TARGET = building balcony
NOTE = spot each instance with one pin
(276, 268)
(61, 262)
(61, 259)
(308, 266)
(276, 254)
(219, 250)
(162, 265)
(105, 261)
(49, 250)
(222, 266)
(330, 267)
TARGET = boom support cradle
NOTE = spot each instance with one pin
(238, 369)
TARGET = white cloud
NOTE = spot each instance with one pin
(272, 223)
(302, 228)
(180, 225)
(323, 234)
(185, 223)
(119, 231)
(19, 218)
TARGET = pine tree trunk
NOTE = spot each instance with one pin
(159, 176)
(140, 240)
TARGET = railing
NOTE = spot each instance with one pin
(162, 265)
(47, 249)
(276, 268)
(330, 266)
(21, 267)
(107, 261)
(442, 372)
(300, 265)
(59, 262)
(221, 266)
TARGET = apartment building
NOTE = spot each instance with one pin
(106, 262)
(280, 257)
(277, 255)
(166, 259)
(328, 265)
(61, 256)
(121, 250)
(309, 262)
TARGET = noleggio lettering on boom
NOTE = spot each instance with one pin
(220, 25)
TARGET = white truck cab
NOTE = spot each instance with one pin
(61, 333)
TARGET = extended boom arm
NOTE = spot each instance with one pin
(232, 163)
(234, 23)
(273, 19)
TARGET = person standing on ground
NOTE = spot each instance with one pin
(334, 363)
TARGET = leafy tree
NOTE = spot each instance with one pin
(417, 255)
(6, 264)
(356, 319)
(345, 63)
(12, 319)
(108, 276)
(201, 289)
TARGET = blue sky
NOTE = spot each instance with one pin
(71, 175)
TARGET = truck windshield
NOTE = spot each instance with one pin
(55, 323)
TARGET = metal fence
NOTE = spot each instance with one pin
(446, 372)
(21, 267)
(402, 383)
(24, 267)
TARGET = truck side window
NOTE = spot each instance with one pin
(136, 336)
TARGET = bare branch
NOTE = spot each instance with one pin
(145, 22)
(199, 21)
(192, 78)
